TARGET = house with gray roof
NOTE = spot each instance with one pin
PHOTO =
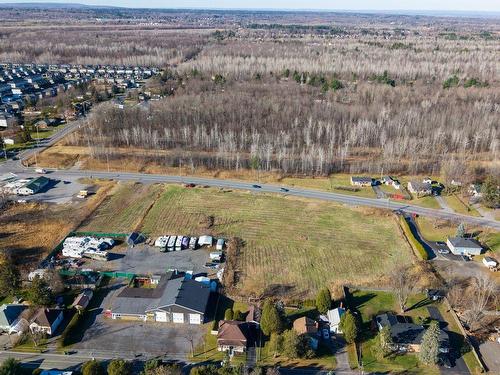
(464, 246)
(174, 299)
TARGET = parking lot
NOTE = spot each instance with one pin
(145, 259)
(136, 338)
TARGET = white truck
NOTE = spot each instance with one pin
(40, 170)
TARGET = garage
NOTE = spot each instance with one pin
(161, 316)
(178, 317)
(194, 319)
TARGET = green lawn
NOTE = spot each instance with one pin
(338, 183)
(46, 133)
(458, 205)
(428, 202)
(302, 244)
(372, 303)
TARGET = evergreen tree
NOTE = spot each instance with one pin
(92, 368)
(291, 342)
(275, 343)
(270, 321)
(119, 367)
(323, 301)
(429, 348)
(349, 327)
(491, 192)
(39, 292)
(384, 343)
(460, 230)
(10, 367)
(10, 278)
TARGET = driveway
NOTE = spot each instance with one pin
(443, 204)
(459, 368)
(490, 351)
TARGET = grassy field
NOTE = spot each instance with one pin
(31, 230)
(428, 202)
(122, 211)
(296, 244)
(302, 244)
(458, 205)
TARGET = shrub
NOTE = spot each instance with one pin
(418, 248)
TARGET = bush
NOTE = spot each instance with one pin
(228, 314)
(418, 248)
(68, 332)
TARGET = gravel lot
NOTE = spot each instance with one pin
(145, 259)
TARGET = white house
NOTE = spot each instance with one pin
(46, 321)
(490, 262)
(334, 317)
(463, 246)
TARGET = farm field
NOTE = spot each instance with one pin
(123, 209)
(321, 243)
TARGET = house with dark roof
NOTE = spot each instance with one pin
(234, 336)
(10, 315)
(464, 246)
(34, 186)
(407, 336)
(174, 299)
(46, 321)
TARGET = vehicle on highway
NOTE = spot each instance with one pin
(255, 186)
(284, 189)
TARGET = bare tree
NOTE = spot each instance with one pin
(403, 283)
(482, 291)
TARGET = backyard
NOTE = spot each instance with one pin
(372, 303)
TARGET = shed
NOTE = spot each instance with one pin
(135, 238)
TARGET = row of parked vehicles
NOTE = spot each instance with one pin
(178, 243)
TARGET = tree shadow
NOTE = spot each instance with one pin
(422, 303)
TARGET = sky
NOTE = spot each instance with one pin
(433, 5)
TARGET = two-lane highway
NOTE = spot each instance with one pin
(270, 188)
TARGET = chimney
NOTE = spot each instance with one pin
(341, 305)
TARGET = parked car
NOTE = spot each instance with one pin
(465, 258)
(443, 251)
(326, 334)
(191, 185)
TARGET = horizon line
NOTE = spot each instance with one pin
(332, 10)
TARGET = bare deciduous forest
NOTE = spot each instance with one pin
(296, 93)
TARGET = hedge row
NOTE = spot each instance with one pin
(69, 332)
(418, 248)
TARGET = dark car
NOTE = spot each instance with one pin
(446, 362)
(284, 189)
(256, 186)
(190, 185)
